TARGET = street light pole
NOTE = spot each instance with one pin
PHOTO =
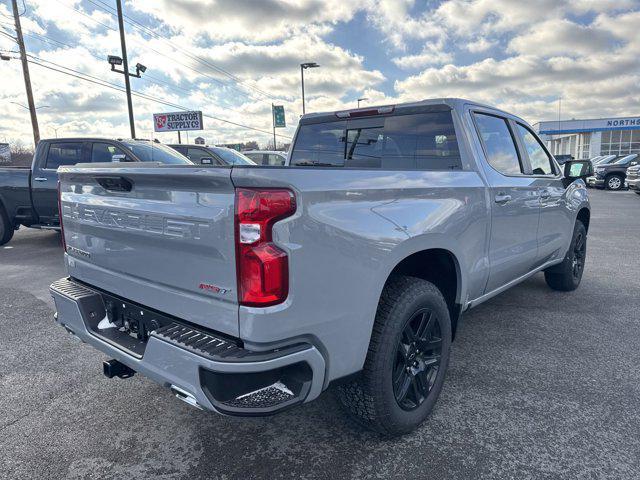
(25, 73)
(303, 67)
(125, 62)
(361, 100)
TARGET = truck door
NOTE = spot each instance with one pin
(515, 204)
(44, 178)
(555, 218)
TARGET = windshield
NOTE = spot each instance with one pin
(626, 159)
(156, 152)
(232, 157)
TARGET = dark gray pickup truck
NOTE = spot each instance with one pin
(29, 196)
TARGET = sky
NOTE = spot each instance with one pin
(233, 58)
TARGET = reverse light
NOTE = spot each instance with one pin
(262, 267)
(64, 242)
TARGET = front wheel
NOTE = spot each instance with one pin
(614, 182)
(406, 362)
(567, 275)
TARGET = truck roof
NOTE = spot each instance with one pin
(450, 102)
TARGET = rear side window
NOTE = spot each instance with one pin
(540, 161)
(64, 154)
(499, 144)
(424, 141)
(104, 152)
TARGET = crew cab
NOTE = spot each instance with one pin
(29, 196)
(612, 176)
(248, 290)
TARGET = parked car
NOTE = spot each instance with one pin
(267, 157)
(204, 154)
(253, 289)
(633, 177)
(612, 176)
(28, 196)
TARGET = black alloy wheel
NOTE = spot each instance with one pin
(579, 255)
(417, 359)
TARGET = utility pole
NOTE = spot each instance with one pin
(125, 61)
(25, 72)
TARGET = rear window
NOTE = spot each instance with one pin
(424, 141)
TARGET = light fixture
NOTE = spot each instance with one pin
(141, 68)
(114, 60)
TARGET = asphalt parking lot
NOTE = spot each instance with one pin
(541, 384)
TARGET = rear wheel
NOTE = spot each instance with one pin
(614, 182)
(567, 275)
(6, 228)
(406, 362)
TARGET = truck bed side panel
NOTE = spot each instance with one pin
(351, 228)
(14, 190)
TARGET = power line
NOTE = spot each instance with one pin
(212, 65)
(148, 48)
(146, 77)
(95, 80)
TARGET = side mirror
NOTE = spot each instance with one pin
(574, 169)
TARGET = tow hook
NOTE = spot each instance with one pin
(113, 368)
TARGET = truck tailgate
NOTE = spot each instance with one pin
(159, 236)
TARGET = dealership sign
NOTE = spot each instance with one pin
(176, 121)
(595, 125)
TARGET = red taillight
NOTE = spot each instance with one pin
(64, 242)
(263, 268)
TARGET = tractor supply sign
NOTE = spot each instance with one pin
(176, 121)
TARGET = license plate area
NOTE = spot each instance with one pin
(125, 325)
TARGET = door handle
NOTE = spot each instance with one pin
(545, 194)
(502, 198)
(40, 179)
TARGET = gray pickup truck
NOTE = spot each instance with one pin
(29, 196)
(247, 290)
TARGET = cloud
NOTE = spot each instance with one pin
(252, 20)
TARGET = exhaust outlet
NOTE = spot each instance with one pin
(185, 396)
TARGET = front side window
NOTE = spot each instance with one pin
(104, 152)
(540, 161)
(64, 154)
(500, 148)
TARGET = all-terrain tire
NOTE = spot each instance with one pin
(567, 275)
(371, 398)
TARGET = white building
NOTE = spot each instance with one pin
(590, 138)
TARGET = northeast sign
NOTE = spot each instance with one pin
(176, 121)
(278, 116)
